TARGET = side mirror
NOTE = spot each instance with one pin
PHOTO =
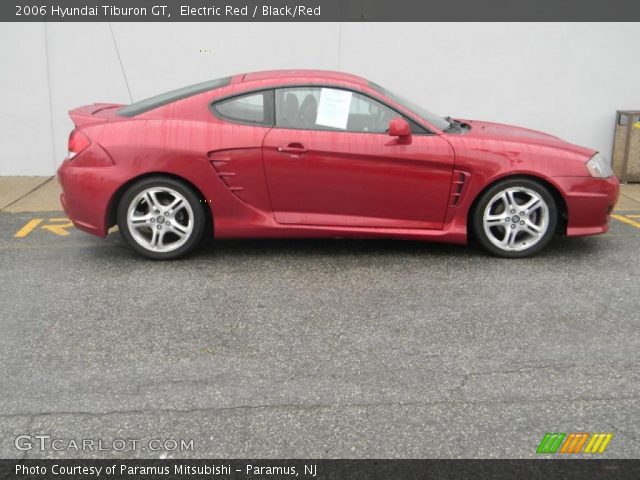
(398, 127)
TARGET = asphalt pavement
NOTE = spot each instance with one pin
(332, 348)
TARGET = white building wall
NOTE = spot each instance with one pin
(566, 79)
(25, 119)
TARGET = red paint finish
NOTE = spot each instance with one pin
(357, 179)
(265, 181)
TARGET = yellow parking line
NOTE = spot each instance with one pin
(627, 220)
(28, 228)
(59, 228)
(633, 216)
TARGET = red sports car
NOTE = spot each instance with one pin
(305, 153)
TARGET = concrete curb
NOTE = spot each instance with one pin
(629, 198)
(29, 194)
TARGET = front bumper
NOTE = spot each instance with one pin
(590, 202)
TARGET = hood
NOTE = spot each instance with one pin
(498, 131)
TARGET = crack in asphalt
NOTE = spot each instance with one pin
(467, 377)
(615, 429)
(553, 400)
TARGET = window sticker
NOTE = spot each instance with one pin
(333, 110)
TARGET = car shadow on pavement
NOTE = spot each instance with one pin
(379, 248)
(329, 247)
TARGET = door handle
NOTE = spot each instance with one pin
(294, 148)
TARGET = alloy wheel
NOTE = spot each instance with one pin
(515, 219)
(160, 219)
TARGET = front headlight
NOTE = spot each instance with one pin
(599, 166)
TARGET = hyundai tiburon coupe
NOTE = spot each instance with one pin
(306, 153)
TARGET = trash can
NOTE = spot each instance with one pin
(626, 146)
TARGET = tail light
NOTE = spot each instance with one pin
(78, 141)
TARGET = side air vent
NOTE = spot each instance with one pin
(457, 187)
(222, 164)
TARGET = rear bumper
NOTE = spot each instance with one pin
(86, 193)
(590, 202)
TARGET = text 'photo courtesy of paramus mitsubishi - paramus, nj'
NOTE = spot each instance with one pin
(306, 153)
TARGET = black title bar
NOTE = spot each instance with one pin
(320, 469)
(317, 10)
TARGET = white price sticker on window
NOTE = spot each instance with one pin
(333, 110)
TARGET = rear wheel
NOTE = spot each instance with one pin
(515, 218)
(161, 218)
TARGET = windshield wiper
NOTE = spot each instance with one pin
(453, 125)
(456, 125)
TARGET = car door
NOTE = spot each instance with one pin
(328, 161)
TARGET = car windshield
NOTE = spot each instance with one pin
(435, 120)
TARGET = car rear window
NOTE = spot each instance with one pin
(253, 108)
(172, 96)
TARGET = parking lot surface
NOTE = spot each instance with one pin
(339, 348)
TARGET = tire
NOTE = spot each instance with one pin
(515, 218)
(161, 218)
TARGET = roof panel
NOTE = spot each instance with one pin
(295, 74)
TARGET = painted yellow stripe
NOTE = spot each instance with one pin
(626, 220)
(598, 442)
(595, 443)
(632, 216)
(590, 444)
(607, 439)
(28, 228)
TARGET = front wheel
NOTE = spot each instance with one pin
(161, 218)
(515, 218)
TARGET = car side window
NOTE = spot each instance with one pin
(251, 108)
(322, 108)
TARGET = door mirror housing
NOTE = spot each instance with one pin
(399, 127)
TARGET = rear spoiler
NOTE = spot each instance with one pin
(94, 113)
